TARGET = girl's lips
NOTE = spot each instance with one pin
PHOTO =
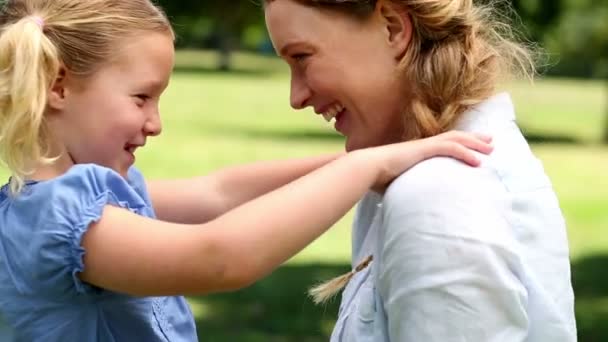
(131, 156)
(130, 151)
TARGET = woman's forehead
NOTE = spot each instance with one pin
(293, 17)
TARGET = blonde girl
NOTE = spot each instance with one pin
(89, 249)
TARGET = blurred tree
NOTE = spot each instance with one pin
(575, 32)
(213, 24)
(581, 41)
(538, 15)
(605, 135)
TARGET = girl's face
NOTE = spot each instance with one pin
(344, 67)
(103, 119)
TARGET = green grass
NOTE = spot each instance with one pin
(563, 108)
(216, 119)
(213, 119)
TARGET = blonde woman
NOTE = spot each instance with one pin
(447, 252)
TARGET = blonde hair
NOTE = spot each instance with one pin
(37, 39)
(327, 290)
(458, 54)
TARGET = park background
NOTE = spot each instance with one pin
(228, 104)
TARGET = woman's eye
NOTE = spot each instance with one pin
(299, 57)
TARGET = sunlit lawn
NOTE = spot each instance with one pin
(215, 119)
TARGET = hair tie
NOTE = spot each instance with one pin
(39, 21)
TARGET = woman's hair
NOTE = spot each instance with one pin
(37, 39)
(460, 50)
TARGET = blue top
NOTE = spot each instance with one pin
(41, 297)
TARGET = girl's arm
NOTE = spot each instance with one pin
(200, 199)
(140, 256)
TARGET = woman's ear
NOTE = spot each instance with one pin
(56, 98)
(397, 25)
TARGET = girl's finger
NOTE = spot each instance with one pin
(472, 141)
(483, 137)
(459, 151)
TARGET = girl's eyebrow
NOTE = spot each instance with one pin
(154, 85)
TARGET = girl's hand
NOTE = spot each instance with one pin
(394, 159)
(235, 246)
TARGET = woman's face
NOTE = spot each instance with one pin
(344, 67)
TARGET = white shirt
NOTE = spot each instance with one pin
(463, 253)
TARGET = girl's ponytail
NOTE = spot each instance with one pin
(38, 38)
(29, 64)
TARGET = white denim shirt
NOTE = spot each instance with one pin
(462, 253)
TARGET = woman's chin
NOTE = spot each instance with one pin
(353, 144)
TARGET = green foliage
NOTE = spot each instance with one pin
(581, 42)
(538, 15)
(574, 32)
(212, 120)
(227, 21)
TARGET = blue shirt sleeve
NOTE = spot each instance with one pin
(59, 213)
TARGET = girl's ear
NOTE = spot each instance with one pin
(397, 26)
(56, 98)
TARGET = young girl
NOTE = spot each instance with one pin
(89, 251)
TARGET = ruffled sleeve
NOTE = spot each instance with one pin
(62, 210)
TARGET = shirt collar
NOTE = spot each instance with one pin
(498, 108)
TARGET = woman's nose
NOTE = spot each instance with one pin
(300, 93)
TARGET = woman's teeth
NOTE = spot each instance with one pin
(333, 112)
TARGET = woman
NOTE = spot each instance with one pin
(447, 252)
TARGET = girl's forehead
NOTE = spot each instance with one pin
(145, 59)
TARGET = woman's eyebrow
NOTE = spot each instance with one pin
(285, 49)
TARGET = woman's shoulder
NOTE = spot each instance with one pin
(441, 179)
(445, 198)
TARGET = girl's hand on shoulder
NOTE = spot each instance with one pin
(394, 159)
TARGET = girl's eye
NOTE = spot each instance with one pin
(141, 99)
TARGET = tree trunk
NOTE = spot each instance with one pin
(605, 133)
(224, 59)
(224, 50)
